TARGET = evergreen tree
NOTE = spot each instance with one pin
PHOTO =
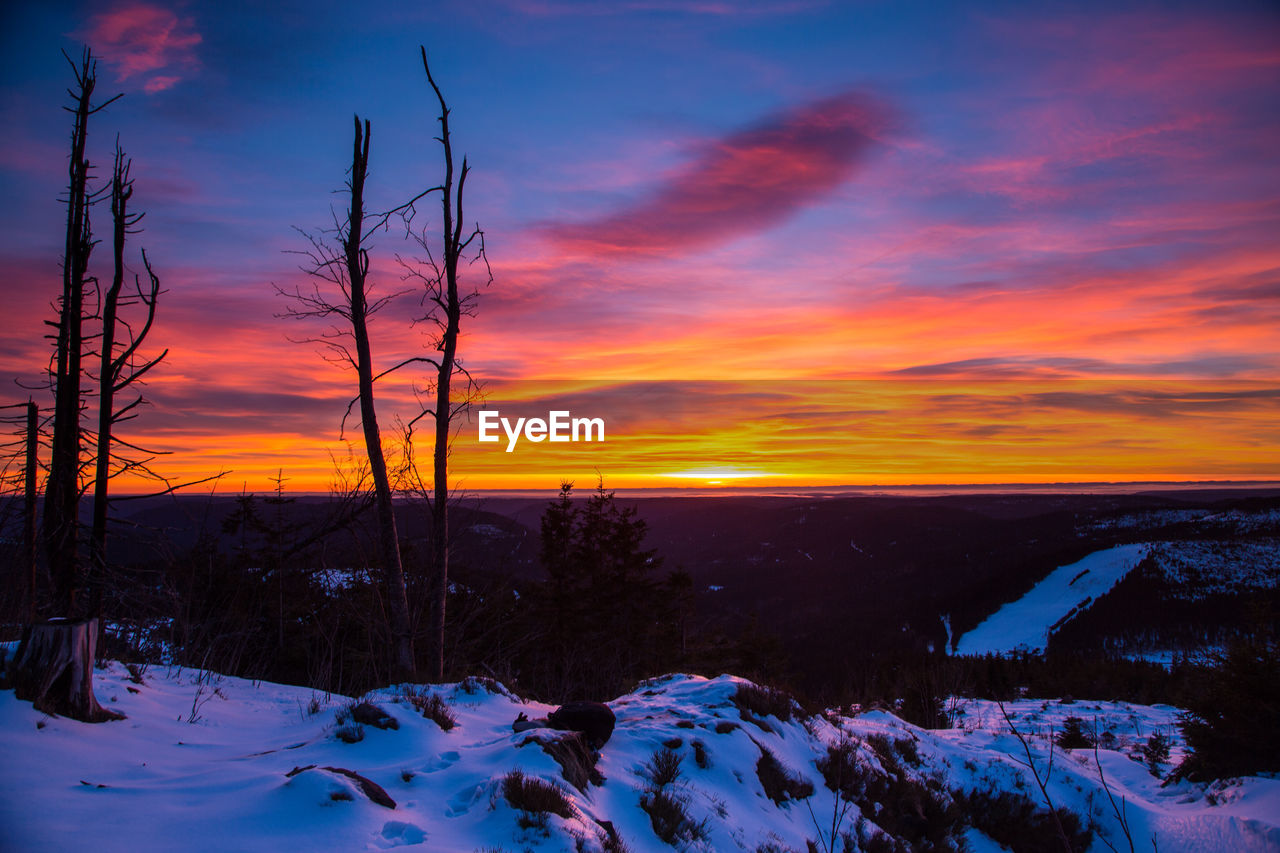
(605, 618)
(1232, 725)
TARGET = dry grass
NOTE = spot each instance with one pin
(779, 783)
(535, 796)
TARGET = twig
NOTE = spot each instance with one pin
(1042, 783)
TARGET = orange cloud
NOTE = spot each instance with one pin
(888, 432)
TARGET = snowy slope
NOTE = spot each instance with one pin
(203, 763)
(1028, 622)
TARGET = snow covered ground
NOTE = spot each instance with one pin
(1201, 568)
(1028, 622)
(204, 762)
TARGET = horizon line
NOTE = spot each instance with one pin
(851, 490)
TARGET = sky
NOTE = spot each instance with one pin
(790, 242)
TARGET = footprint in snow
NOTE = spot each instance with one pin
(461, 802)
(396, 833)
(440, 762)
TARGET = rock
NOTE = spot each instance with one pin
(593, 719)
(371, 715)
(371, 789)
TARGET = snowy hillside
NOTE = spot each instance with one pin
(1196, 569)
(210, 763)
(1028, 622)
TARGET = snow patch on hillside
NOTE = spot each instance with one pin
(205, 762)
(1027, 623)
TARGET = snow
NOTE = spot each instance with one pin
(1236, 522)
(203, 761)
(1197, 569)
(1028, 622)
(1235, 815)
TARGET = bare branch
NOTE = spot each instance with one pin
(1042, 783)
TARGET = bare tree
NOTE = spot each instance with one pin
(449, 303)
(62, 488)
(53, 666)
(347, 341)
(12, 482)
(346, 271)
(54, 663)
(118, 371)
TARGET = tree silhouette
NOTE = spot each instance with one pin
(341, 291)
(448, 302)
(63, 487)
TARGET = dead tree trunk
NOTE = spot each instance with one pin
(118, 371)
(62, 490)
(346, 272)
(53, 669)
(357, 261)
(450, 305)
(54, 664)
(29, 548)
(121, 191)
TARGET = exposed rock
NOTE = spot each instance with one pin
(371, 715)
(371, 789)
(593, 719)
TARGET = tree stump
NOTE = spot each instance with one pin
(53, 669)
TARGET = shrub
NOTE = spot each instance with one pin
(882, 843)
(1014, 821)
(1155, 752)
(1073, 735)
(754, 701)
(840, 771)
(670, 819)
(136, 671)
(906, 747)
(882, 746)
(473, 684)
(535, 796)
(611, 842)
(432, 706)
(725, 726)
(775, 846)
(577, 761)
(779, 783)
(917, 814)
(700, 756)
(663, 768)
(350, 733)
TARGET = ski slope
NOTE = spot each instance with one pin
(1027, 623)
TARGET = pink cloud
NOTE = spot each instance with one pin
(1164, 57)
(741, 183)
(146, 41)
(558, 8)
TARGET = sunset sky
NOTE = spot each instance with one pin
(790, 242)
